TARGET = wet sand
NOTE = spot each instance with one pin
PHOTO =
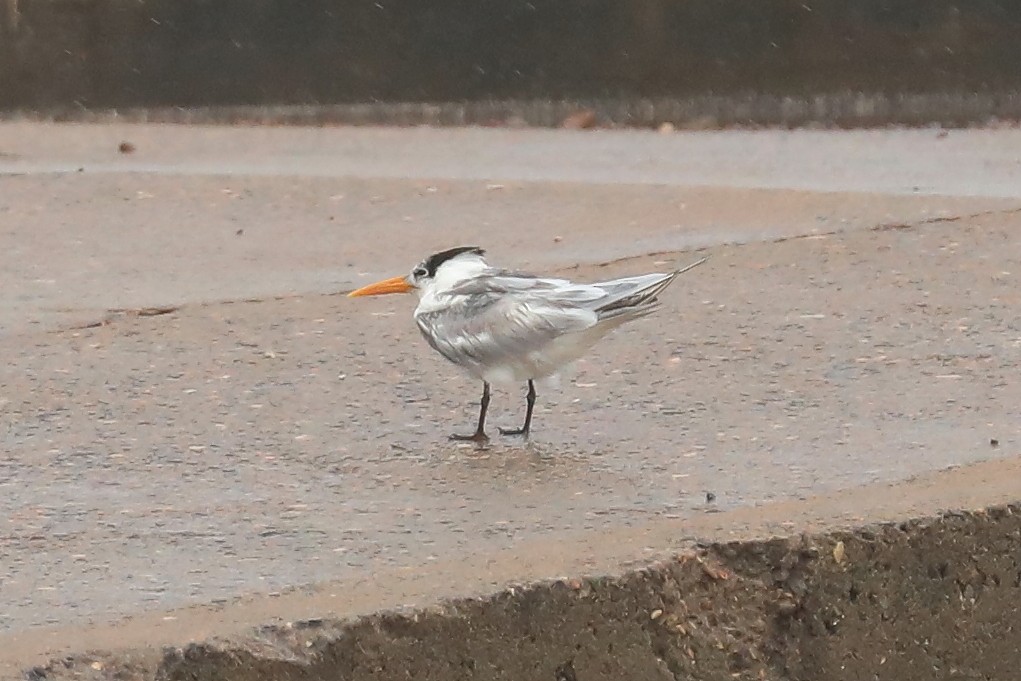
(191, 415)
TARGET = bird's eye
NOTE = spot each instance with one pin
(419, 272)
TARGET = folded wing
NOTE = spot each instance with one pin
(498, 320)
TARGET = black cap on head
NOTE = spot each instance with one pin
(433, 262)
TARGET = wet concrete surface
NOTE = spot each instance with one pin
(191, 415)
(163, 221)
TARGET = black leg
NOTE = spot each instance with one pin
(480, 431)
(530, 399)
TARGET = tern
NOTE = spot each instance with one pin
(502, 326)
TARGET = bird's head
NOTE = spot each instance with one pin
(441, 270)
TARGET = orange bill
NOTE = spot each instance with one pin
(391, 285)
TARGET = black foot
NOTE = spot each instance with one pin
(478, 438)
(514, 431)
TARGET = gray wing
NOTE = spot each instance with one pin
(500, 319)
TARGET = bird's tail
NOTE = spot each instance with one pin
(690, 267)
(642, 301)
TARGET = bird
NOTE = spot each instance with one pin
(503, 326)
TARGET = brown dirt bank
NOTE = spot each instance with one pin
(936, 597)
(932, 598)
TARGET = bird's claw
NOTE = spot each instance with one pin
(514, 432)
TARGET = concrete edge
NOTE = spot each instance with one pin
(849, 109)
(898, 600)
